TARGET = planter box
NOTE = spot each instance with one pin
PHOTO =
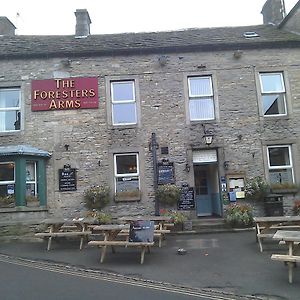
(285, 191)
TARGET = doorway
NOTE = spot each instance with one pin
(207, 193)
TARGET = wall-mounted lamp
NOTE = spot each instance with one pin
(226, 164)
(187, 167)
(67, 147)
(208, 135)
(163, 59)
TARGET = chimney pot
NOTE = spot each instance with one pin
(6, 26)
(83, 22)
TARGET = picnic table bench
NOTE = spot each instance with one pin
(65, 228)
(292, 239)
(267, 226)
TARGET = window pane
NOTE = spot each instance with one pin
(30, 171)
(30, 189)
(7, 172)
(279, 156)
(122, 91)
(202, 109)
(281, 176)
(127, 184)
(272, 83)
(9, 98)
(200, 86)
(124, 113)
(126, 164)
(9, 120)
(274, 104)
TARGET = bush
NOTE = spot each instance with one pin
(177, 216)
(239, 215)
(256, 189)
(168, 194)
(96, 197)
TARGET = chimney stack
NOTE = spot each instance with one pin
(83, 22)
(6, 26)
(273, 12)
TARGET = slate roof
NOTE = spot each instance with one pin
(205, 39)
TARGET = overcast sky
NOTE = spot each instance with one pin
(115, 16)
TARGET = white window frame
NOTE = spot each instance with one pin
(123, 102)
(290, 166)
(16, 109)
(35, 177)
(136, 174)
(193, 97)
(9, 181)
(266, 93)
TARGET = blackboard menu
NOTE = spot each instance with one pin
(67, 179)
(141, 231)
(166, 173)
(187, 200)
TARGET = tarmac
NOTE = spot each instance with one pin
(228, 263)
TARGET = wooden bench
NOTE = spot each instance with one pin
(104, 244)
(50, 235)
(290, 260)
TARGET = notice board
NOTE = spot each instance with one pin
(187, 199)
(166, 172)
(67, 179)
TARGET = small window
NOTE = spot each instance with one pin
(7, 184)
(123, 103)
(280, 164)
(201, 98)
(31, 182)
(250, 34)
(10, 115)
(127, 178)
(273, 94)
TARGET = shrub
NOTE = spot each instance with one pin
(96, 197)
(177, 216)
(256, 189)
(168, 194)
(296, 208)
(239, 215)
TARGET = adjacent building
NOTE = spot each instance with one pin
(210, 107)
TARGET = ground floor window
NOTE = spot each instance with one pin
(7, 183)
(127, 177)
(280, 165)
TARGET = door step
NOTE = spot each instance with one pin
(209, 224)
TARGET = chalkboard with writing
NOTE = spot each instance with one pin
(67, 180)
(187, 200)
(166, 173)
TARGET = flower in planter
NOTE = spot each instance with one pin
(96, 197)
(239, 215)
(168, 194)
(177, 216)
(256, 189)
(7, 201)
(32, 200)
(296, 208)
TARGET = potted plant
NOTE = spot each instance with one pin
(239, 215)
(168, 194)
(256, 189)
(7, 201)
(178, 218)
(96, 197)
(285, 188)
(296, 208)
(32, 201)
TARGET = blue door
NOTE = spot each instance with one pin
(202, 192)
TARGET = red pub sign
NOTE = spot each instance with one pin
(64, 93)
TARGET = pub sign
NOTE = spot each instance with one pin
(64, 93)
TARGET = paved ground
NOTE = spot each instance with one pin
(229, 262)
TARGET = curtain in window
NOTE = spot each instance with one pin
(202, 109)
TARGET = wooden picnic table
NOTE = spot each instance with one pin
(161, 221)
(292, 239)
(266, 226)
(66, 227)
(111, 232)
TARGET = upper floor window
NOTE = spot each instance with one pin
(201, 98)
(123, 102)
(10, 115)
(280, 164)
(273, 94)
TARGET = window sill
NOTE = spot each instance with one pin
(22, 209)
(5, 133)
(275, 118)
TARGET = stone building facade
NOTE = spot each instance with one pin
(237, 86)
